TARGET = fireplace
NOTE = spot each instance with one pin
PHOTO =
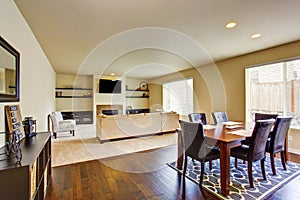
(114, 109)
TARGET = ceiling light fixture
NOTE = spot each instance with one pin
(255, 35)
(230, 25)
(112, 74)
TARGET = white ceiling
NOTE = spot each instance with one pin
(150, 38)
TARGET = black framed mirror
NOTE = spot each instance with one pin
(9, 72)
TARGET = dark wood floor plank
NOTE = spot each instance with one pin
(76, 182)
(143, 175)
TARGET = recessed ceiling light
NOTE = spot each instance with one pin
(255, 35)
(112, 74)
(230, 25)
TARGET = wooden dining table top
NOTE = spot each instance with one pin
(223, 133)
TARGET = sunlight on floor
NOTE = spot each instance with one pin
(84, 146)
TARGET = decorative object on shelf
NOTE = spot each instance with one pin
(58, 93)
(12, 147)
(29, 127)
(14, 121)
(143, 85)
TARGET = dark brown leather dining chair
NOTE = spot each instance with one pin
(194, 146)
(219, 117)
(256, 150)
(198, 117)
(261, 116)
(276, 143)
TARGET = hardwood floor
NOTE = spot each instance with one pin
(141, 175)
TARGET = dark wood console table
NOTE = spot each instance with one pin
(30, 179)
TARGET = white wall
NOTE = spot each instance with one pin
(37, 79)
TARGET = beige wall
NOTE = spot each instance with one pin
(202, 100)
(37, 79)
(233, 75)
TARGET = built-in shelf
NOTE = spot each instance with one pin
(133, 94)
(137, 90)
(72, 96)
(137, 96)
(73, 88)
(66, 97)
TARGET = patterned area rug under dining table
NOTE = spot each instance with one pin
(239, 185)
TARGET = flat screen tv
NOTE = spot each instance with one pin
(110, 86)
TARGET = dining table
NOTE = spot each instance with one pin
(225, 136)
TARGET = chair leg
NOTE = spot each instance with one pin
(73, 132)
(283, 159)
(236, 163)
(210, 165)
(202, 173)
(54, 134)
(250, 176)
(263, 171)
(272, 163)
(286, 155)
(184, 165)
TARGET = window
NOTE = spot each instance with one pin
(178, 96)
(274, 88)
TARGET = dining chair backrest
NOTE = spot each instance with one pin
(198, 117)
(219, 117)
(278, 134)
(261, 116)
(193, 138)
(258, 140)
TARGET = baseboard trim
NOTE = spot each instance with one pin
(134, 137)
(294, 151)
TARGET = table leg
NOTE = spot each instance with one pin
(225, 168)
(286, 149)
(179, 150)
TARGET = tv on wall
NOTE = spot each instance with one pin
(110, 86)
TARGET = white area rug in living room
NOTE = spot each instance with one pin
(84, 146)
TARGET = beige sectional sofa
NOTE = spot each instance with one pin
(128, 126)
